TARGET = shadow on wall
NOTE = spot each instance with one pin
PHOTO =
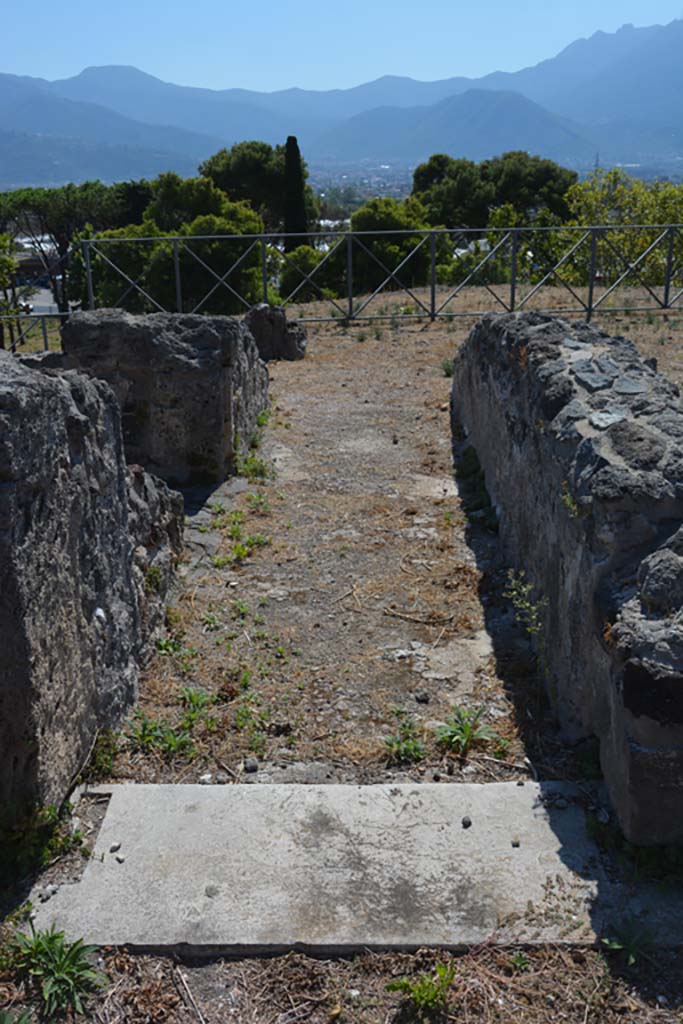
(632, 896)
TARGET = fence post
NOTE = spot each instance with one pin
(591, 273)
(349, 273)
(88, 274)
(43, 326)
(513, 269)
(669, 268)
(432, 305)
(178, 284)
(264, 269)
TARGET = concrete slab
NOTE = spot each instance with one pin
(265, 868)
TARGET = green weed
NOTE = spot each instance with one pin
(463, 730)
(404, 746)
(426, 993)
(60, 970)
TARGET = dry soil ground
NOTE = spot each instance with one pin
(343, 598)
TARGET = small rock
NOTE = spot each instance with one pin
(515, 841)
(250, 764)
(354, 993)
(469, 769)
(120, 858)
(211, 891)
(466, 822)
(115, 847)
(422, 697)
(205, 780)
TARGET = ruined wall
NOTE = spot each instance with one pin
(580, 441)
(190, 386)
(86, 553)
(276, 337)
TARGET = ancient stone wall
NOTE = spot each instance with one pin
(190, 387)
(86, 553)
(580, 441)
(276, 337)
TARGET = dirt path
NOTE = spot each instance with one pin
(347, 599)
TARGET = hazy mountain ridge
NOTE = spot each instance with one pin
(616, 92)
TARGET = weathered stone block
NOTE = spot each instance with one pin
(579, 440)
(73, 620)
(190, 387)
(275, 336)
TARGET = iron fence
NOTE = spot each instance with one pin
(353, 276)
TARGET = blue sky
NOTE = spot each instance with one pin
(274, 44)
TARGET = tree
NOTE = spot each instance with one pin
(255, 172)
(8, 267)
(152, 264)
(453, 192)
(176, 201)
(129, 201)
(296, 221)
(51, 217)
(528, 183)
(406, 216)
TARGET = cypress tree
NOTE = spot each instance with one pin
(295, 194)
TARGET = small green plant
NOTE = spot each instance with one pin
(569, 501)
(240, 609)
(447, 367)
(152, 734)
(464, 730)
(254, 468)
(60, 970)
(262, 418)
(426, 993)
(104, 753)
(527, 611)
(221, 561)
(169, 645)
(631, 940)
(258, 503)
(362, 336)
(31, 844)
(210, 622)
(195, 703)
(519, 963)
(8, 1018)
(448, 518)
(405, 746)
(153, 579)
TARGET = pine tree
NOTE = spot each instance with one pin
(295, 195)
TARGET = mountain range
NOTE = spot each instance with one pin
(615, 93)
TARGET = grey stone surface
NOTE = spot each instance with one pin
(190, 386)
(589, 506)
(243, 869)
(73, 612)
(275, 336)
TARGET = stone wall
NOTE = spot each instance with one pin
(580, 441)
(86, 553)
(190, 387)
(276, 337)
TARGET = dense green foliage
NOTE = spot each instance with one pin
(255, 172)
(461, 193)
(255, 187)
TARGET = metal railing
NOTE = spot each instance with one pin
(345, 276)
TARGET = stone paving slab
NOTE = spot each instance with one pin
(243, 869)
